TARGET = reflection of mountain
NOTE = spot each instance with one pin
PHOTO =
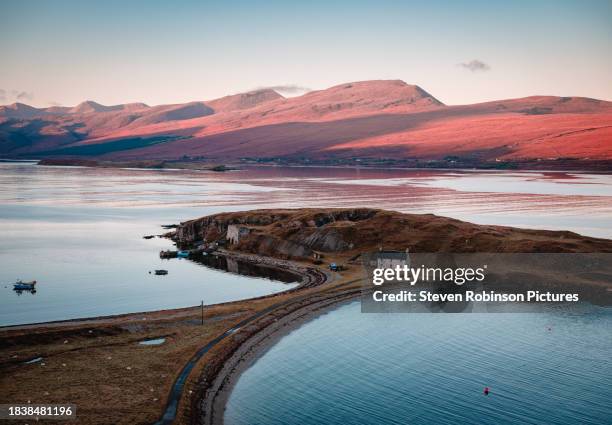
(232, 265)
(382, 119)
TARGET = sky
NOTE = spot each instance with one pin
(63, 52)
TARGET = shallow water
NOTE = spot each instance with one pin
(156, 341)
(351, 368)
(78, 231)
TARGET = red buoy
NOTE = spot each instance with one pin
(486, 391)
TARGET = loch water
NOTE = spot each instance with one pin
(78, 231)
(348, 367)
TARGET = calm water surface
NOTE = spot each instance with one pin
(352, 368)
(78, 231)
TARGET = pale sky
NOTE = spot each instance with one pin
(64, 52)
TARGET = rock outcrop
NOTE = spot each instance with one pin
(300, 233)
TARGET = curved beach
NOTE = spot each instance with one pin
(188, 378)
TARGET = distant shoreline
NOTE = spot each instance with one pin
(568, 165)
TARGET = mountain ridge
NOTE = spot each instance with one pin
(375, 118)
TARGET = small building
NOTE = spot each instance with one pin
(391, 259)
(236, 232)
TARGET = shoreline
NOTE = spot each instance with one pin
(210, 407)
(189, 378)
(342, 234)
(312, 277)
(231, 316)
(570, 165)
(270, 262)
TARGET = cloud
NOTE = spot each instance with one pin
(475, 65)
(287, 89)
(22, 95)
(9, 96)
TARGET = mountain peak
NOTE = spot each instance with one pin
(19, 105)
(398, 89)
(245, 100)
(88, 106)
(376, 95)
(19, 110)
(134, 106)
(263, 92)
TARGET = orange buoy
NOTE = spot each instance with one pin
(486, 391)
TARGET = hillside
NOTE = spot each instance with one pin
(297, 233)
(368, 120)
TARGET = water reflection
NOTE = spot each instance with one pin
(232, 265)
(19, 292)
(78, 231)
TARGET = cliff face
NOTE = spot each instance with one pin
(283, 233)
(301, 232)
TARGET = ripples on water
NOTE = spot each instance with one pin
(352, 368)
(78, 230)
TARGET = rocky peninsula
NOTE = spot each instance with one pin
(97, 362)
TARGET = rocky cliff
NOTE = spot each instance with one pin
(302, 232)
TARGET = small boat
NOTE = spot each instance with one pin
(24, 286)
(167, 254)
(182, 254)
(161, 272)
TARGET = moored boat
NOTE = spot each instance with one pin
(167, 254)
(21, 285)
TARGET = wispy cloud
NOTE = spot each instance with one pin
(475, 65)
(15, 96)
(23, 95)
(287, 89)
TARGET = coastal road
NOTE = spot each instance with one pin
(316, 278)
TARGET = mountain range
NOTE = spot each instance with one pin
(383, 119)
